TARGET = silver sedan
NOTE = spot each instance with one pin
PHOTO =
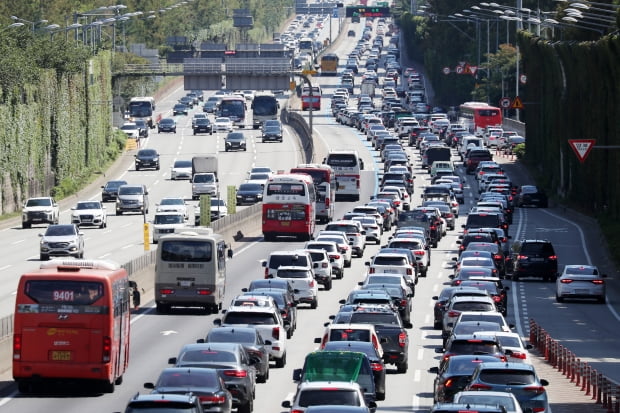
(580, 281)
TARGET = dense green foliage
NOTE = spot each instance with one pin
(201, 20)
(574, 93)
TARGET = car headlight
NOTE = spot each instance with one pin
(156, 159)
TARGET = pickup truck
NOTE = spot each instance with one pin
(389, 328)
(42, 210)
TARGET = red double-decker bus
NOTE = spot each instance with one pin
(289, 203)
(72, 323)
(476, 116)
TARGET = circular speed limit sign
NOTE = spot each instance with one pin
(446, 70)
(523, 79)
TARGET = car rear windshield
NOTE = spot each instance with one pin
(349, 334)
(474, 347)
(277, 261)
(223, 335)
(292, 274)
(349, 229)
(482, 220)
(508, 377)
(537, 248)
(374, 318)
(379, 260)
(249, 317)
(333, 397)
(159, 407)
(473, 306)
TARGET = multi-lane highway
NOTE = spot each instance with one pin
(155, 338)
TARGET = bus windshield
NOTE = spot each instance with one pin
(140, 109)
(265, 105)
(233, 107)
(186, 251)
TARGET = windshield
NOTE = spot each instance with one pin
(130, 190)
(88, 205)
(60, 230)
(172, 201)
(168, 219)
(39, 202)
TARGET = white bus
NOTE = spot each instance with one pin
(265, 106)
(348, 166)
(190, 270)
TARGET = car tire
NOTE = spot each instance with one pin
(44, 257)
(347, 264)
(247, 407)
(281, 362)
(162, 308)
(601, 300)
(558, 298)
(437, 325)
(328, 285)
(314, 304)
(402, 367)
(26, 225)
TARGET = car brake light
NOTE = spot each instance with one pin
(311, 284)
(535, 389)
(497, 298)
(522, 257)
(449, 383)
(410, 271)
(235, 373)
(297, 411)
(553, 257)
(497, 257)
(324, 265)
(275, 333)
(266, 272)
(518, 355)
(212, 399)
(453, 313)
(166, 291)
(371, 270)
(376, 366)
(335, 256)
(433, 227)
(418, 252)
(403, 303)
(203, 291)
(598, 282)
(480, 386)
(402, 339)
(566, 281)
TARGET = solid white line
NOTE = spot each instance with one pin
(515, 302)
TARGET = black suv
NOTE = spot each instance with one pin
(533, 258)
(147, 158)
(203, 125)
(168, 403)
(531, 195)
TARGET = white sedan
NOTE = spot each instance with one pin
(181, 169)
(580, 281)
(223, 124)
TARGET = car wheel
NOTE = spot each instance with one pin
(402, 367)
(281, 362)
(162, 308)
(437, 325)
(328, 286)
(347, 263)
(558, 298)
(314, 304)
(247, 407)
(601, 300)
(26, 225)
(118, 212)
(44, 257)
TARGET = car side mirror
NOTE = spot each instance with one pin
(172, 360)
(217, 322)
(200, 341)
(317, 340)
(544, 382)
(149, 385)
(434, 370)
(286, 404)
(297, 375)
(439, 350)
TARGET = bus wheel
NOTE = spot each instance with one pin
(107, 387)
(119, 380)
(24, 386)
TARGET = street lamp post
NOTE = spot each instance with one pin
(32, 24)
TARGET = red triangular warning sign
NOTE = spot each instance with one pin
(582, 147)
(516, 103)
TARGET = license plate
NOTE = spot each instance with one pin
(581, 291)
(390, 270)
(57, 355)
(537, 259)
(285, 223)
(185, 283)
(340, 186)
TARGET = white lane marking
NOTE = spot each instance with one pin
(18, 242)
(515, 302)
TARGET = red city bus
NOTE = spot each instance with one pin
(313, 102)
(324, 179)
(476, 116)
(72, 322)
(289, 203)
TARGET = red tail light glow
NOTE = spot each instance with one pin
(453, 313)
(402, 339)
(566, 281)
(275, 333)
(418, 252)
(376, 366)
(166, 291)
(17, 346)
(235, 373)
(480, 386)
(203, 291)
(106, 349)
(518, 355)
(212, 399)
(535, 389)
(371, 270)
(598, 282)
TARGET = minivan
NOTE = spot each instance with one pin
(132, 198)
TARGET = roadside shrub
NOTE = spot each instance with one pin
(519, 151)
